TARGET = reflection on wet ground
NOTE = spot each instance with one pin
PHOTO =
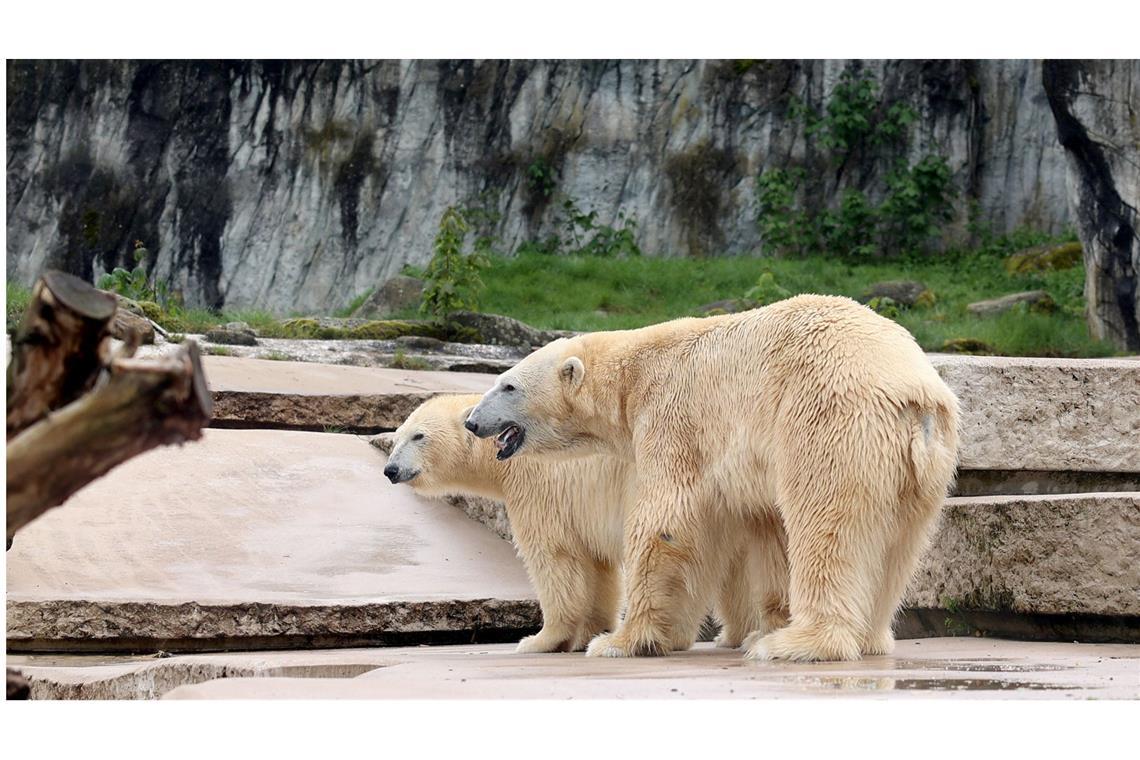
(863, 683)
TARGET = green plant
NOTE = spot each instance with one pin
(786, 230)
(854, 115)
(175, 338)
(135, 283)
(767, 290)
(401, 360)
(16, 302)
(452, 278)
(276, 356)
(886, 306)
(219, 351)
(918, 200)
(584, 236)
(541, 178)
(918, 204)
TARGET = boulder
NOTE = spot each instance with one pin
(1036, 300)
(903, 292)
(231, 337)
(126, 322)
(1045, 258)
(241, 327)
(498, 330)
(395, 295)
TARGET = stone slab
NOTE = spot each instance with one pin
(1046, 414)
(256, 533)
(305, 395)
(1071, 554)
(1070, 415)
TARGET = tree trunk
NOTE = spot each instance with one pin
(1102, 141)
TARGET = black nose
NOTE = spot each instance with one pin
(473, 427)
(392, 472)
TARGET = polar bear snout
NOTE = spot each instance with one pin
(397, 474)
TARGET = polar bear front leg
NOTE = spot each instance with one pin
(662, 563)
(561, 580)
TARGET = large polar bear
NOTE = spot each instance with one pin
(814, 409)
(567, 519)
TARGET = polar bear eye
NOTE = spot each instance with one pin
(418, 437)
(508, 387)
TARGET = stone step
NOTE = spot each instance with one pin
(1052, 416)
(921, 668)
(259, 538)
(262, 393)
(265, 538)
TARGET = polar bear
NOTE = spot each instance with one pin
(813, 409)
(567, 519)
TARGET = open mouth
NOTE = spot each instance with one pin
(508, 441)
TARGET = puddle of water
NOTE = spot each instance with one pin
(977, 666)
(976, 684)
(861, 683)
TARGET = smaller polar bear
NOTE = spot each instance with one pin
(568, 521)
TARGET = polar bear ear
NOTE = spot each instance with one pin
(572, 371)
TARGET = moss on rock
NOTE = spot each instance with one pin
(1045, 258)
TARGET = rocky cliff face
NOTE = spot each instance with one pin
(1096, 105)
(297, 185)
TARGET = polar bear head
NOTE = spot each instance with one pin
(431, 451)
(540, 405)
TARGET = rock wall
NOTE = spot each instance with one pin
(1096, 105)
(297, 185)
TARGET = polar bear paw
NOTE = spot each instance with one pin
(729, 639)
(803, 644)
(607, 645)
(544, 641)
(881, 643)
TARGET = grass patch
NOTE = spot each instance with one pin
(16, 303)
(596, 293)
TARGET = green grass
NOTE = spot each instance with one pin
(16, 303)
(579, 293)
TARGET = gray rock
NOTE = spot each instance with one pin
(231, 337)
(497, 330)
(1037, 300)
(369, 203)
(904, 292)
(126, 322)
(395, 295)
(240, 327)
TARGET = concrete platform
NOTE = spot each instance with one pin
(252, 534)
(962, 668)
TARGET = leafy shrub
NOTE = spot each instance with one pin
(767, 290)
(582, 235)
(135, 283)
(452, 279)
(918, 199)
